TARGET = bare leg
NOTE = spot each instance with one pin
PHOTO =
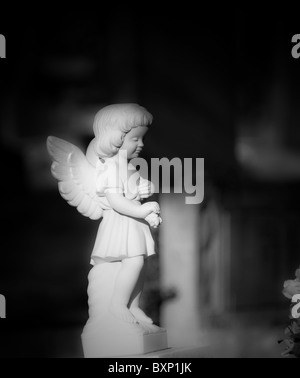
(135, 298)
(124, 286)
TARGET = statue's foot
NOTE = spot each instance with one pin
(140, 316)
(122, 313)
(151, 328)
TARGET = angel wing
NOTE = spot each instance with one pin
(76, 177)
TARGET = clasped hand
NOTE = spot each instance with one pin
(154, 220)
(151, 213)
(146, 189)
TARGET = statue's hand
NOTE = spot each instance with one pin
(145, 188)
(148, 208)
(154, 220)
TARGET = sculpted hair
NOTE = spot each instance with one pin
(113, 122)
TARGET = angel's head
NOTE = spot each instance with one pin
(120, 126)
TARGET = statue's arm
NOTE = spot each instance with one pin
(130, 208)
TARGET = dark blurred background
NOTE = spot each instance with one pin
(222, 86)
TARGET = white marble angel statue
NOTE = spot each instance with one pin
(104, 184)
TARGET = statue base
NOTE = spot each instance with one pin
(122, 341)
(104, 334)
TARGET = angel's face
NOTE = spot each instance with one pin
(133, 141)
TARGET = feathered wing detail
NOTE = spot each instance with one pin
(76, 177)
